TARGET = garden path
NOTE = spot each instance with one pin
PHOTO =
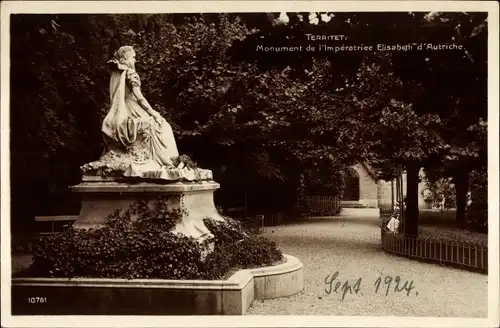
(351, 246)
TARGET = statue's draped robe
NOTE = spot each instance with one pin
(133, 134)
(126, 116)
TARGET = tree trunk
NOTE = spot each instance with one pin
(461, 189)
(411, 215)
(392, 194)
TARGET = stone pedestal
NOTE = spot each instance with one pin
(101, 198)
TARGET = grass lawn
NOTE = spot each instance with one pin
(451, 234)
(442, 225)
(435, 224)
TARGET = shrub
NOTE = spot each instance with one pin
(146, 248)
(251, 252)
(255, 251)
(235, 248)
(226, 232)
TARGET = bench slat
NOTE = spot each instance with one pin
(56, 218)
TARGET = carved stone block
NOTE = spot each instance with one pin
(100, 198)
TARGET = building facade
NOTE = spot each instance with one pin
(364, 189)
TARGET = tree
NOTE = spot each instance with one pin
(440, 190)
(477, 211)
(261, 116)
(220, 108)
(461, 103)
(439, 119)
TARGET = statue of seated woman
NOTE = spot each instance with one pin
(139, 142)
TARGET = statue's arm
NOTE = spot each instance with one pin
(136, 90)
(135, 86)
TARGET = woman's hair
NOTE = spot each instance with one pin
(118, 62)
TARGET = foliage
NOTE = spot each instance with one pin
(254, 252)
(409, 77)
(439, 119)
(146, 247)
(263, 117)
(225, 233)
(123, 249)
(324, 178)
(220, 110)
(440, 192)
(477, 212)
(236, 250)
(453, 236)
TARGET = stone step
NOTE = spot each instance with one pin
(343, 205)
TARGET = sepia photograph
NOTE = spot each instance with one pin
(249, 160)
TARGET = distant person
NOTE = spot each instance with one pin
(397, 210)
(393, 224)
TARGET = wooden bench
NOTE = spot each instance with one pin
(54, 219)
(252, 223)
(255, 223)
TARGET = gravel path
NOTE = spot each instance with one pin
(351, 246)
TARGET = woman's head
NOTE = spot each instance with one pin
(124, 58)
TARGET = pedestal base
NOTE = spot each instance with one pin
(195, 200)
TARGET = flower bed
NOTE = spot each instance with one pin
(147, 249)
(460, 254)
(94, 296)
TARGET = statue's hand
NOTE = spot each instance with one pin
(158, 118)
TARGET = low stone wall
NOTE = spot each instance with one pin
(87, 296)
(456, 254)
(278, 281)
(360, 212)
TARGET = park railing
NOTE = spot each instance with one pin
(452, 253)
(273, 219)
(315, 205)
(424, 213)
(255, 222)
(322, 205)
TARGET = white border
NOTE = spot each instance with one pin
(253, 6)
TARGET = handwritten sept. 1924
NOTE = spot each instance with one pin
(382, 285)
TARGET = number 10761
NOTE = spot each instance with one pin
(33, 300)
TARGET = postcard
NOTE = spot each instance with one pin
(249, 163)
